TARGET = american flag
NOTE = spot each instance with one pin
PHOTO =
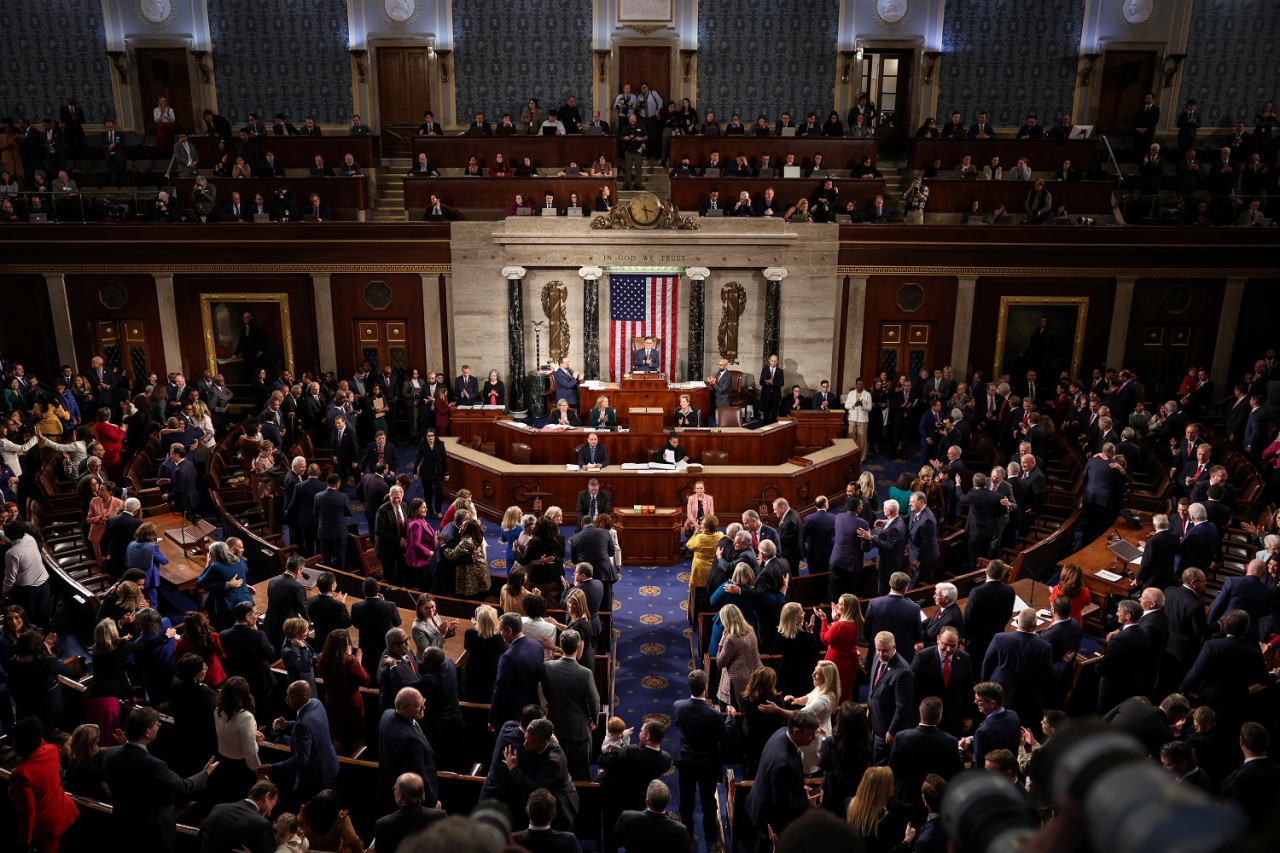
(641, 304)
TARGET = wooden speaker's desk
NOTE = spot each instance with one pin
(771, 445)
(1096, 557)
(649, 538)
(636, 392)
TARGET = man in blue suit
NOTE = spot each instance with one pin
(302, 508)
(332, 509)
(923, 750)
(898, 616)
(1249, 593)
(1063, 636)
(466, 388)
(1226, 669)
(345, 449)
(403, 748)
(698, 759)
(889, 700)
(989, 607)
(1020, 662)
(980, 528)
(891, 546)
(647, 358)
(819, 536)
(1001, 729)
(779, 795)
(922, 541)
(181, 490)
(1103, 483)
(1121, 670)
(313, 761)
(1200, 543)
(1255, 430)
(760, 531)
(847, 553)
(516, 684)
(566, 383)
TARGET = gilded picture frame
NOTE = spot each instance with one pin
(1060, 346)
(222, 320)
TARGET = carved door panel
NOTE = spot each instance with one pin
(165, 72)
(905, 348)
(645, 63)
(382, 342)
(123, 345)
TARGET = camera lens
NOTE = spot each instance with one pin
(984, 813)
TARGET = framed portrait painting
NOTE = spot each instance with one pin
(1041, 333)
(245, 333)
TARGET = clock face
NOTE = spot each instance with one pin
(645, 208)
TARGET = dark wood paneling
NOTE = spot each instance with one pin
(26, 335)
(1043, 155)
(302, 313)
(839, 155)
(491, 197)
(688, 194)
(986, 315)
(937, 308)
(545, 152)
(1256, 329)
(1150, 314)
(349, 306)
(344, 196)
(86, 308)
(1080, 197)
(299, 152)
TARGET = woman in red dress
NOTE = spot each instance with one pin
(343, 677)
(1071, 584)
(42, 808)
(442, 411)
(198, 638)
(111, 437)
(841, 640)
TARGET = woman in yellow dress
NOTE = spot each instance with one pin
(703, 545)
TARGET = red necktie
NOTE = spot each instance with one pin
(412, 665)
(946, 671)
(880, 672)
(755, 541)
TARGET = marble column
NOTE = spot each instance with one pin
(854, 330)
(1120, 312)
(167, 304)
(773, 308)
(60, 308)
(697, 324)
(515, 338)
(326, 343)
(591, 321)
(966, 288)
(1232, 300)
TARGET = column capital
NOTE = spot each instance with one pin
(513, 272)
(775, 273)
(698, 273)
(587, 273)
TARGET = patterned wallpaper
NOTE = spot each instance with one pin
(747, 47)
(50, 49)
(1232, 64)
(1009, 57)
(286, 56)
(508, 51)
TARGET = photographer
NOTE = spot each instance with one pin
(634, 137)
(285, 206)
(915, 198)
(204, 198)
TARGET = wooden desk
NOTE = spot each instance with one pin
(1095, 557)
(649, 538)
(346, 197)
(816, 428)
(1042, 154)
(496, 484)
(546, 152)
(299, 152)
(646, 395)
(1034, 594)
(770, 445)
(467, 422)
(181, 571)
(489, 198)
(840, 155)
(688, 194)
(953, 195)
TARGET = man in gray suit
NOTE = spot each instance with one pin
(573, 704)
(720, 384)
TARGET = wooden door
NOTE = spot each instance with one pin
(383, 341)
(904, 348)
(646, 63)
(164, 72)
(1127, 77)
(1167, 351)
(123, 345)
(404, 94)
(886, 78)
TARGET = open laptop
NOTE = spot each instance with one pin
(1081, 131)
(573, 172)
(1126, 550)
(573, 211)
(548, 211)
(37, 217)
(309, 217)
(719, 211)
(790, 171)
(262, 217)
(788, 131)
(591, 130)
(711, 173)
(523, 211)
(549, 131)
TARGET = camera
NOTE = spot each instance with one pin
(1086, 220)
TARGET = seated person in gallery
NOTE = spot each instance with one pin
(795, 402)
(672, 452)
(686, 415)
(563, 415)
(647, 358)
(592, 456)
(603, 415)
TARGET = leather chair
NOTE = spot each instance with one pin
(728, 416)
(715, 457)
(655, 454)
(739, 391)
(521, 453)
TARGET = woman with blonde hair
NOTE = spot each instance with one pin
(873, 812)
(511, 529)
(484, 646)
(84, 764)
(841, 640)
(800, 649)
(822, 700)
(703, 545)
(934, 499)
(867, 483)
(110, 678)
(737, 656)
(744, 577)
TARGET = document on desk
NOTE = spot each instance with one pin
(1110, 577)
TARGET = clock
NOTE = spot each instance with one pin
(645, 208)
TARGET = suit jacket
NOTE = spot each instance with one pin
(346, 450)
(1120, 672)
(721, 387)
(989, 608)
(387, 533)
(1253, 785)
(403, 748)
(587, 457)
(951, 615)
(1243, 592)
(1103, 485)
(516, 684)
(819, 540)
(573, 702)
(889, 700)
(701, 732)
(144, 792)
(1021, 663)
(391, 830)
(1062, 637)
(389, 455)
(595, 546)
(956, 695)
(327, 614)
(900, 617)
(466, 389)
(373, 618)
(313, 761)
(546, 841)
(231, 826)
(302, 506)
(603, 419)
(1145, 722)
(918, 752)
(116, 537)
(286, 597)
(628, 771)
(1255, 431)
(644, 359)
(1199, 547)
(547, 769)
(182, 487)
(1188, 624)
(1223, 673)
(1157, 560)
(984, 508)
(373, 490)
(778, 795)
(566, 386)
(651, 832)
(1156, 624)
(332, 509)
(791, 538)
(922, 537)
(848, 552)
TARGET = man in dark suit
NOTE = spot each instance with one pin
(847, 554)
(1188, 627)
(824, 400)
(410, 816)
(652, 830)
(249, 654)
(114, 155)
(302, 509)
(897, 615)
(1255, 429)
(373, 489)
(647, 358)
(592, 500)
(516, 684)
(1145, 122)
(1253, 784)
(627, 772)
(592, 452)
(286, 598)
(1200, 544)
(327, 611)
(380, 450)
(772, 378)
(466, 388)
(1158, 556)
(1156, 623)
(373, 616)
(925, 749)
(889, 700)
(313, 761)
(1021, 662)
(594, 545)
(922, 541)
(819, 535)
(1153, 726)
(779, 795)
(479, 127)
(539, 762)
(332, 509)
(1000, 729)
(984, 507)
(891, 546)
(242, 825)
(698, 760)
(181, 490)
(390, 536)
(118, 534)
(1120, 672)
(573, 704)
(790, 533)
(403, 748)
(1063, 636)
(144, 789)
(946, 671)
(946, 612)
(539, 837)
(345, 449)
(1103, 483)
(311, 407)
(989, 608)
(1225, 670)
(1249, 593)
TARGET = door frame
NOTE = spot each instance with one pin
(669, 39)
(202, 94)
(1088, 100)
(443, 108)
(922, 96)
